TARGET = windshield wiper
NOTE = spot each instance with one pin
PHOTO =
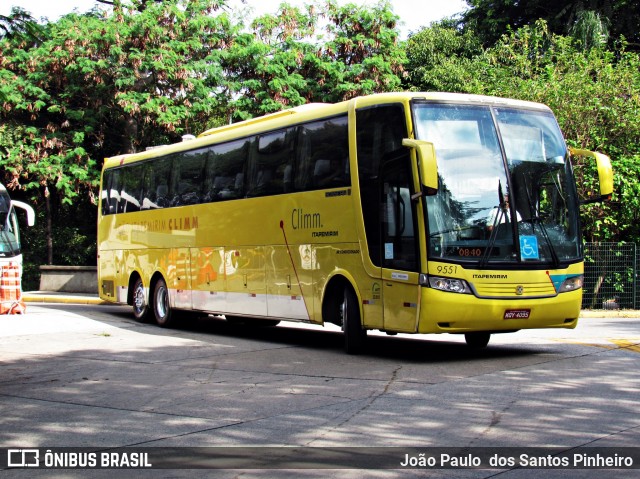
(535, 218)
(502, 213)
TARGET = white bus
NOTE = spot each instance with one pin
(10, 244)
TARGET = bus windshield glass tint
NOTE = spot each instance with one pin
(505, 186)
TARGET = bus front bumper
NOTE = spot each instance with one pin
(444, 312)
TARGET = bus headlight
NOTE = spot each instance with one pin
(450, 285)
(571, 284)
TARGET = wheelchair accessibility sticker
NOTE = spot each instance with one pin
(529, 247)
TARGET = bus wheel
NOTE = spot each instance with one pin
(161, 308)
(477, 340)
(140, 305)
(354, 334)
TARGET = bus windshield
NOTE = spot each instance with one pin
(505, 191)
(9, 238)
(9, 231)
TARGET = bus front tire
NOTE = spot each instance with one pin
(477, 340)
(354, 334)
(161, 307)
(140, 304)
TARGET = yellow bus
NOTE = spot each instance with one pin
(398, 212)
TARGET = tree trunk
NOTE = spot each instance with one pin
(130, 135)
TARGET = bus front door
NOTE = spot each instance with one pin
(401, 297)
(400, 259)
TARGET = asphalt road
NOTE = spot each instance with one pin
(90, 376)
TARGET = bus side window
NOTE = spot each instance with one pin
(225, 170)
(109, 202)
(114, 191)
(189, 182)
(303, 176)
(156, 186)
(323, 155)
(272, 162)
(148, 200)
(10, 234)
(173, 181)
(213, 180)
(104, 198)
(131, 191)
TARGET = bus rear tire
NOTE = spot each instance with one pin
(477, 340)
(161, 308)
(354, 334)
(139, 301)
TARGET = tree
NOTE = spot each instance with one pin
(321, 53)
(364, 43)
(491, 19)
(19, 24)
(97, 86)
(265, 70)
(590, 30)
(439, 57)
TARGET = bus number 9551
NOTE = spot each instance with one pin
(447, 269)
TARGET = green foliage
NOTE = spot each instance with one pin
(439, 57)
(591, 30)
(364, 43)
(144, 75)
(292, 59)
(19, 24)
(490, 19)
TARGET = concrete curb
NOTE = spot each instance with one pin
(61, 298)
(606, 313)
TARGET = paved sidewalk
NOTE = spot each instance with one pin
(91, 376)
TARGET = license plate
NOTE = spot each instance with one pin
(517, 314)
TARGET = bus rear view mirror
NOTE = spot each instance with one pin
(605, 173)
(427, 164)
(31, 215)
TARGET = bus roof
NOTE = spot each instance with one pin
(309, 107)
(447, 97)
(309, 112)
